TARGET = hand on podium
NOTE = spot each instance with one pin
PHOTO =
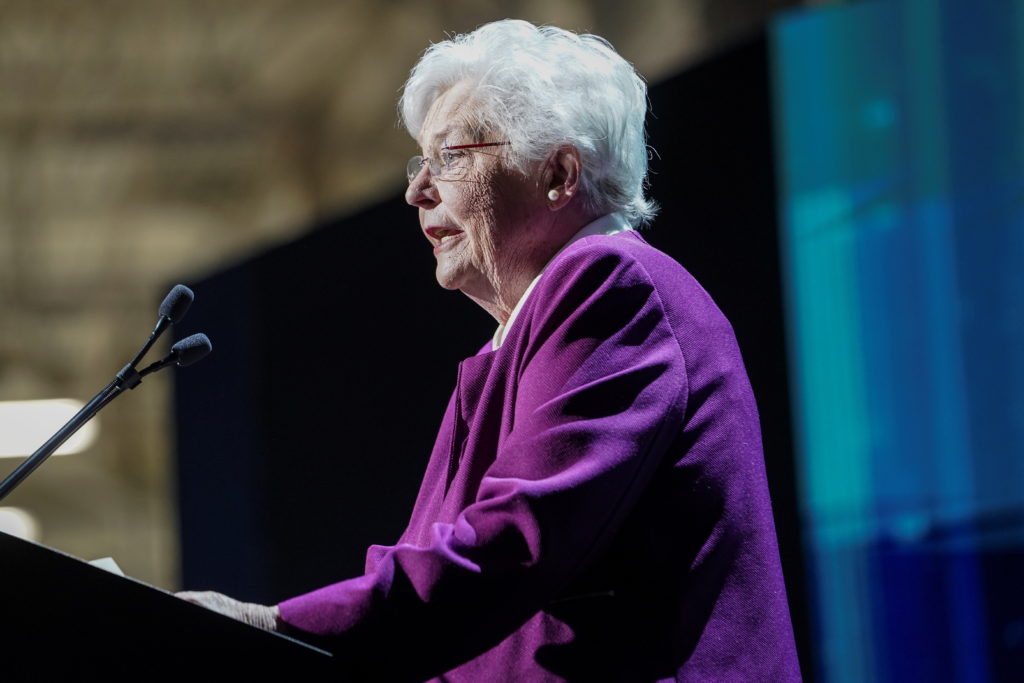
(262, 616)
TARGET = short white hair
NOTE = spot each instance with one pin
(541, 87)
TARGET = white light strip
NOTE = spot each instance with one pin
(20, 523)
(26, 425)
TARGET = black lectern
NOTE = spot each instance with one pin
(60, 615)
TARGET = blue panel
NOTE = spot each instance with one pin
(900, 138)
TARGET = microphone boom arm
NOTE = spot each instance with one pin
(106, 395)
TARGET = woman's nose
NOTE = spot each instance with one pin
(421, 192)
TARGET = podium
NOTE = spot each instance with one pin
(60, 615)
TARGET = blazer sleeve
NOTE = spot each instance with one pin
(601, 391)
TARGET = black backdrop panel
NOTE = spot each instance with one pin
(302, 439)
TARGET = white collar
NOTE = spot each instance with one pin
(608, 224)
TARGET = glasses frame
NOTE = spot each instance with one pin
(437, 167)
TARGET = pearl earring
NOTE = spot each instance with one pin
(553, 195)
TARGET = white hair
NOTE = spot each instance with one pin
(541, 87)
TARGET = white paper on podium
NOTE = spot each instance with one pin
(108, 564)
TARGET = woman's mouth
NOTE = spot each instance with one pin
(443, 237)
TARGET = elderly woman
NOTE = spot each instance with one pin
(595, 506)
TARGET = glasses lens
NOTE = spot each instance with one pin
(412, 169)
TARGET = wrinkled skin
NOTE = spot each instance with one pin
(263, 616)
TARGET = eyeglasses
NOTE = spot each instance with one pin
(444, 166)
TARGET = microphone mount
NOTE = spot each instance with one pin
(184, 352)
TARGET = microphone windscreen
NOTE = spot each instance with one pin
(192, 349)
(176, 303)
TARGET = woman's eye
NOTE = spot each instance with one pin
(449, 157)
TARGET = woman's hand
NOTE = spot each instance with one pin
(263, 616)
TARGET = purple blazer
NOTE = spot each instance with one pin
(595, 506)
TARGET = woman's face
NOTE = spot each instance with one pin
(484, 221)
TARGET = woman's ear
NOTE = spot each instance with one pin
(564, 176)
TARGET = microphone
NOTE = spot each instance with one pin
(191, 349)
(175, 304)
(172, 310)
(185, 352)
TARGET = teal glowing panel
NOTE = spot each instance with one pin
(900, 146)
